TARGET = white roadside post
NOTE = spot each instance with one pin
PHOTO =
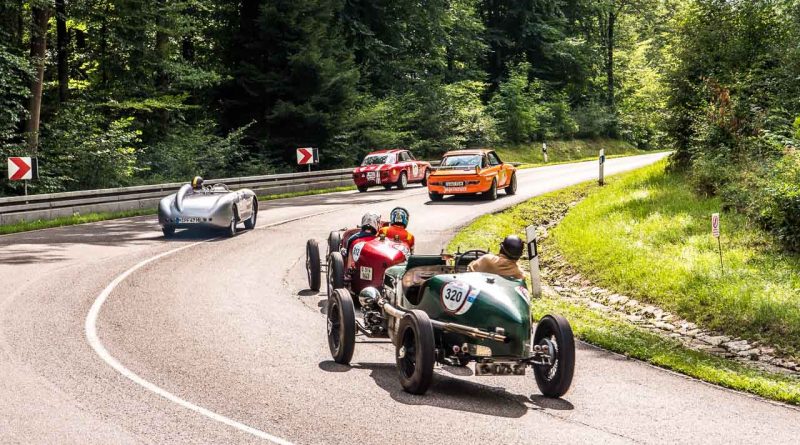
(533, 257)
(544, 151)
(715, 231)
(601, 180)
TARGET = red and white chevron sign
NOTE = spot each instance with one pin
(20, 168)
(306, 156)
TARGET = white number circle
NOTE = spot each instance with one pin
(454, 295)
(357, 251)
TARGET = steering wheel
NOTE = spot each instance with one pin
(477, 253)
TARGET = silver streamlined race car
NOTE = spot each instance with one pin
(215, 206)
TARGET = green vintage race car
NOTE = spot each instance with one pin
(434, 311)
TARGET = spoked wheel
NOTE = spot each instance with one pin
(341, 326)
(402, 183)
(250, 224)
(231, 232)
(415, 351)
(313, 265)
(168, 231)
(334, 242)
(491, 194)
(511, 188)
(555, 332)
(335, 272)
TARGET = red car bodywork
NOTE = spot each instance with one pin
(387, 174)
(368, 259)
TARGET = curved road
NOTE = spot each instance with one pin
(220, 342)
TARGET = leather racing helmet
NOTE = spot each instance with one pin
(398, 217)
(512, 247)
(371, 220)
(197, 182)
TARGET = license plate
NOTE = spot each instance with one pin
(187, 220)
(366, 273)
(454, 184)
(454, 189)
(499, 369)
(371, 175)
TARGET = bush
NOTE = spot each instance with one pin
(517, 108)
(780, 203)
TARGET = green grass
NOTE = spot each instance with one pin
(609, 331)
(27, 226)
(648, 235)
(559, 152)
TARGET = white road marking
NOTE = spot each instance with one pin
(94, 341)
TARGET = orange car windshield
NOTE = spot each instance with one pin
(378, 159)
(462, 161)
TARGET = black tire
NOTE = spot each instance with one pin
(231, 232)
(491, 194)
(334, 242)
(425, 178)
(341, 328)
(168, 231)
(313, 265)
(415, 352)
(250, 224)
(554, 381)
(402, 182)
(335, 272)
(362, 188)
(511, 188)
(435, 196)
(387, 187)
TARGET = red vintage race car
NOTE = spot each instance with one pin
(390, 168)
(364, 265)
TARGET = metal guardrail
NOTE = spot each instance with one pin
(54, 205)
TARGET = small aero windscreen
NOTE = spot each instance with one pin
(462, 161)
(378, 159)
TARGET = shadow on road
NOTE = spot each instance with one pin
(463, 200)
(452, 393)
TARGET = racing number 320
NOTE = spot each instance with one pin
(455, 295)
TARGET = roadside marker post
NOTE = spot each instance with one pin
(601, 180)
(715, 232)
(307, 156)
(533, 257)
(23, 168)
(544, 151)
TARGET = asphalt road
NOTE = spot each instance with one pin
(108, 334)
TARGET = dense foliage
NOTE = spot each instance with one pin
(734, 106)
(148, 90)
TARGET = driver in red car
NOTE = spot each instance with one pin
(370, 223)
(504, 264)
(396, 230)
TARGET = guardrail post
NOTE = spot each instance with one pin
(533, 257)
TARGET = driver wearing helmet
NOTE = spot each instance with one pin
(396, 230)
(370, 223)
(504, 264)
(197, 183)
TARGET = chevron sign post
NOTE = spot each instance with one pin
(307, 156)
(22, 168)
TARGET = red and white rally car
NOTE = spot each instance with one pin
(390, 167)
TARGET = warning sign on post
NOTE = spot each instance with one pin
(715, 225)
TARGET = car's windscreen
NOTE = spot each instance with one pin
(378, 159)
(461, 161)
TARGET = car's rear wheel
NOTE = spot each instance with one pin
(168, 231)
(414, 352)
(313, 265)
(335, 272)
(334, 242)
(426, 177)
(491, 194)
(511, 188)
(435, 196)
(555, 332)
(362, 188)
(250, 224)
(341, 321)
(402, 183)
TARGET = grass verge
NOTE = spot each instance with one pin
(27, 226)
(608, 331)
(559, 152)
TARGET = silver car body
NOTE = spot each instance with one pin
(214, 207)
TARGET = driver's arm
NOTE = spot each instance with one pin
(477, 265)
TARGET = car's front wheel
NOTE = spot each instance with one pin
(415, 352)
(511, 188)
(402, 183)
(491, 194)
(341, 326)
(231, 232)
(250, 223)
(335, 272)
(426, 177)
(554, 332)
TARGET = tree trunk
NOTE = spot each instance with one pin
(41, 17)
(62, 46)
(612, 18)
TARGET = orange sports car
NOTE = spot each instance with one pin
(470, 172)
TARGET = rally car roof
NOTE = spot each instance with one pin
(389, 150)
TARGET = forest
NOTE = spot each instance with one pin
(122, 92)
